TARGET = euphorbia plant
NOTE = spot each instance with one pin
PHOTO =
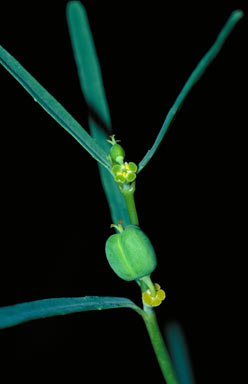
(129, 251)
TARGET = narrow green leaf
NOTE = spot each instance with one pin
(88, 67)
(53, 107)
(179, 353)
(20, 313)
(194, 77)
(91, 82)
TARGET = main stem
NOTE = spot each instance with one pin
(159, 347)
(128, 193)
(148, 315)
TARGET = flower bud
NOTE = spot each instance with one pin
(130, 254)
(117, 153)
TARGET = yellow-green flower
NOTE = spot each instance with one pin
(124, 173)
(154, 301)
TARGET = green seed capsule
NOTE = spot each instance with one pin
(117, 153)
(130, 254)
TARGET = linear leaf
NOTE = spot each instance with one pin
(20, 313)
(53, 107)
(194, 77)
(91, 82)
(179, 353)
(88, 67)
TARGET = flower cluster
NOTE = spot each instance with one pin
(124, 173)
(154, 301)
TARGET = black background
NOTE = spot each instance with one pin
(190, 197)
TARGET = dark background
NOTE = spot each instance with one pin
(190, 197)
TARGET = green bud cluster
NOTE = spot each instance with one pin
(122, 172)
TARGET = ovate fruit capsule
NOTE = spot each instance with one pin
(130, 254)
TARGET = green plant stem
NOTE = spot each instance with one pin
(159, 347)
(148, 313)
(128, 193)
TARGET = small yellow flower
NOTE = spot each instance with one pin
(154, 301)
(124, 173)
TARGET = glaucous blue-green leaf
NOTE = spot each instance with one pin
(53, 107)
(194, 77)
(20, 313)
(179, 353)
(91, 83)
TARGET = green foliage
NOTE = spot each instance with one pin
(91, 83)
(20, 313)
(53, 107)
(179, 353)
(129, 253)
(192, 80)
